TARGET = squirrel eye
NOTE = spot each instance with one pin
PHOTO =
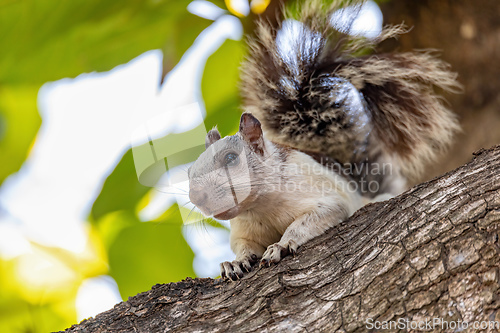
(231, 159)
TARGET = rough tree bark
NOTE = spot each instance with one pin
(432, 252)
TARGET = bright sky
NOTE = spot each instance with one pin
(87, 124)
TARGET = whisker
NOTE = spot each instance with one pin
(173, 193)
(189, 214)
(184, 204)
(178, 188)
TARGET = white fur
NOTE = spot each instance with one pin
(292, 217)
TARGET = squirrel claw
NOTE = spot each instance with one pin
(235, 270)
(273, 254)
(246, 267)
(276, 252)
(292, 247)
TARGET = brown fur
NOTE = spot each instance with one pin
(305, 99)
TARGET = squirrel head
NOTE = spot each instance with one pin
(222, 181)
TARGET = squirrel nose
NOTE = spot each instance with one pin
(198, 197)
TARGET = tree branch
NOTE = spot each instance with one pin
(432, 252)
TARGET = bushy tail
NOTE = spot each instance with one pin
(316, 87)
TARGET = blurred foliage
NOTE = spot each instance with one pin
(222, 99)
(46, 301)
(145, 253)
(19, 123)
(46, 40)
(121, 191)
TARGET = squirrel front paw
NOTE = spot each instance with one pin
(234, 270)
(276, 252)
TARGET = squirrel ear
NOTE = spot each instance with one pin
(251, 130)
(250, 127)
(212, 136)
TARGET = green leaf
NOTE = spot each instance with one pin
(226, 117)
(45, 40)
(219, 87)
(121, 190)
(110, 225)
(154, 158)
(181, 39)
(19, 314)
(148, 253)
(48, 40)
(19, 123)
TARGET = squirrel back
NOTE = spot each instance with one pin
(315, 88)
